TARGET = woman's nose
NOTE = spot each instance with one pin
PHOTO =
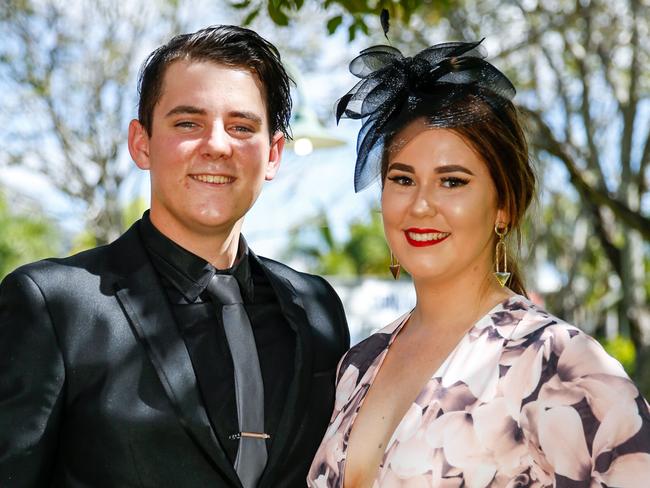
(424, 202)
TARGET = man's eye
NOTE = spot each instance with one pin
(185, 124)
(453, 181)
(242, 128)
(401, 180)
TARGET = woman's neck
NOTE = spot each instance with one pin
(454, 305)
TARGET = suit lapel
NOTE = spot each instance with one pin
(294, 312)
(144, 303)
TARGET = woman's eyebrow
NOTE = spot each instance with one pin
(402, 167)
(453, 168)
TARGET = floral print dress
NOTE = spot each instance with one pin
(524, 400)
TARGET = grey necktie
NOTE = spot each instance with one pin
(249, 389)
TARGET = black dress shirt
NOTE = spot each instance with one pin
(184, 277)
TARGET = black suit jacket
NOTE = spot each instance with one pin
(97, 388)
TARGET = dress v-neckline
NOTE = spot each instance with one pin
(374, 372)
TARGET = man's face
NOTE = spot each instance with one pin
(209, 150)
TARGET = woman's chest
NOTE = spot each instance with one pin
(398, 383)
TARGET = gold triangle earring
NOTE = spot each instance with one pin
(501, 251)
(394, 266)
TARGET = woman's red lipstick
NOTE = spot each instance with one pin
(424, 237)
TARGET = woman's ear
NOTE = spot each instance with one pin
(502, 219)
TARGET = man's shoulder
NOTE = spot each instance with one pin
(323, 306)
(284, 270)
(74, 278)
(301, 281)
(94, 261)
(50, 265)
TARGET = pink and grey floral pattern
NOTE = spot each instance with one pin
(524, 400)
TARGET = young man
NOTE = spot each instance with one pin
(128, 365)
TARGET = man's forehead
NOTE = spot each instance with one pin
(185, 65)
(177, 67)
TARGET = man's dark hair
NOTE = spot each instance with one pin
(229, 45)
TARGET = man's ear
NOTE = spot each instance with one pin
(139, 144)
(275, 155)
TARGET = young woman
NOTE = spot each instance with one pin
(476, 386)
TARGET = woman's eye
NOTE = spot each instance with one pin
(401, 180)
(453, 181)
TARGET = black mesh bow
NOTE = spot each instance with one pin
(445, 83)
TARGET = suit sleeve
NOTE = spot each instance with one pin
(339, 317)
(31, 384)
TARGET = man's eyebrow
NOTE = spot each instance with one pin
(186, 109)
(452, 168)
(191, 109)
(252, 116)
(401, 166)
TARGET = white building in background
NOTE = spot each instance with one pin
(372, 303)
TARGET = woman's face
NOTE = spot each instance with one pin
(439, 205)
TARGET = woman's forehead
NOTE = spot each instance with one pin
(419, 144)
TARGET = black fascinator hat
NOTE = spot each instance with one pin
(448, 84)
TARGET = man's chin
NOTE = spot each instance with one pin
(200, 224)
(217, 225)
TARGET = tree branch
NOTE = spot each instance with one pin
(562, 90)
(629, 109)
(593, 161)
(644, 164)
(629, 217)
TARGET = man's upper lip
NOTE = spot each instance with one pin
(417, 230)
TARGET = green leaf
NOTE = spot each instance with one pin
(277, 15)
(326, 235)
(363, 26)
(333, 24)
(352, 32)
(241, 5)
(251, 17)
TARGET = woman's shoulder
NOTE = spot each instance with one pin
(531, 331)
(573, 401)
(536, 328)
(363, 354)
(520, 319)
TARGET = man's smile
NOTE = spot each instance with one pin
(213, 179)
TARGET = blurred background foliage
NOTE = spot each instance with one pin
(363, 253)
(67, 76)
(582, 69)
(25, 235)
(356, 16)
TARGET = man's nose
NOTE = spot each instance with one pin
(217, 143)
